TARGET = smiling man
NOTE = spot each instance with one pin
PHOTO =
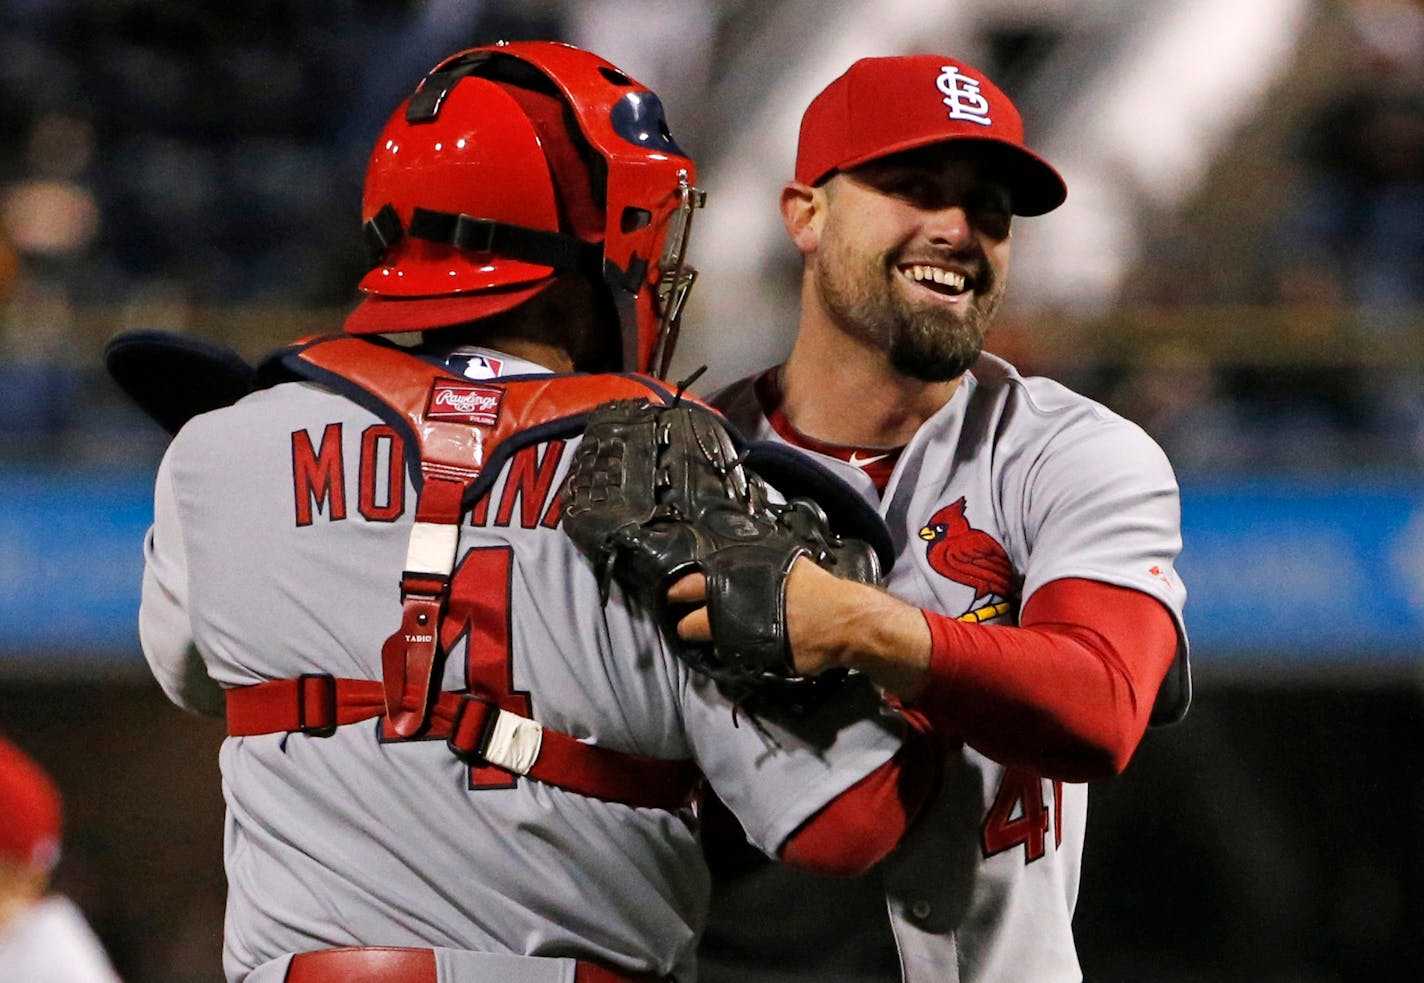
(1033, 613)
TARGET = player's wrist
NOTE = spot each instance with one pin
(839, 623)
(893, 644)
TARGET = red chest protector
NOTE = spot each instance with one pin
(458, 433)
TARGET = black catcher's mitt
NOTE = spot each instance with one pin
(657, 492)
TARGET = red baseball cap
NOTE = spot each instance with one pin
(882, 106)
(29, 811)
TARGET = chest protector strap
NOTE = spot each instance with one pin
(475, 728)
(458, 434)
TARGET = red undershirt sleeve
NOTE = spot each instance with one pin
(1067, 693)
(863, 824)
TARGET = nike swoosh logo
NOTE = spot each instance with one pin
(861, 462)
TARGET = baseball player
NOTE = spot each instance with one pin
(448, 760)
(44, 937)
(1036, 618)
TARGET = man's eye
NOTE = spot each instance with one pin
(917, 189)
(991, 211)
(899, 184)
(989, 203)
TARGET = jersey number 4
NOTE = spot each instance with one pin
(478, 611)
(1020, 816)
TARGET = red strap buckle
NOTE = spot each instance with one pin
(316, 704)
(423, 585)
(470, 728)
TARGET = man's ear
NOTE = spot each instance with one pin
(803, 211)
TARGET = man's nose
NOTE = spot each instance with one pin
(949, 225)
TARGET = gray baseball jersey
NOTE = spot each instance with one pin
(51, 942)
(983, 890)
(280, 531)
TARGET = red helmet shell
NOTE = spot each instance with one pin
(480, 156)
(643, 177)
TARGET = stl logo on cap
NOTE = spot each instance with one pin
(962, 96)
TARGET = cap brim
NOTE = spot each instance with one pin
(1035, 185)
(383, 315)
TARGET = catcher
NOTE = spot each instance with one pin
(487, 773)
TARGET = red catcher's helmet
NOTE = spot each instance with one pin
(513, 163)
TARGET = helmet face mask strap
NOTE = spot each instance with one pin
(446, 241)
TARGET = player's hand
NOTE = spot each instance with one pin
(809, 596)
(831, 622)
(692, 590)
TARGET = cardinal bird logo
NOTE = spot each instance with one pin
(969, 556)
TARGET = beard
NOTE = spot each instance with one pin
(923, 340)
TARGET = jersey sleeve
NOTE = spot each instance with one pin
(777, 772)
(860, 827)
(164, 629)
(1101, 503)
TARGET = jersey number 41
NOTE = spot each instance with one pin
(1020, 816)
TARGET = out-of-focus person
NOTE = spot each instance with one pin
(44, 938)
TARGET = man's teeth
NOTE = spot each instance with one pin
(934, 274)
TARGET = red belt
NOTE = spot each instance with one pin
(317, 704)
(388, 965)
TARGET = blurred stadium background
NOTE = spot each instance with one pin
(1239, 268)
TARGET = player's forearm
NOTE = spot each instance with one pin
(1067, 695)
(835, 622)
(1075, 722)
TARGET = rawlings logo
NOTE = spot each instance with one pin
(962, 96)
(469, 402)
(464, 403)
